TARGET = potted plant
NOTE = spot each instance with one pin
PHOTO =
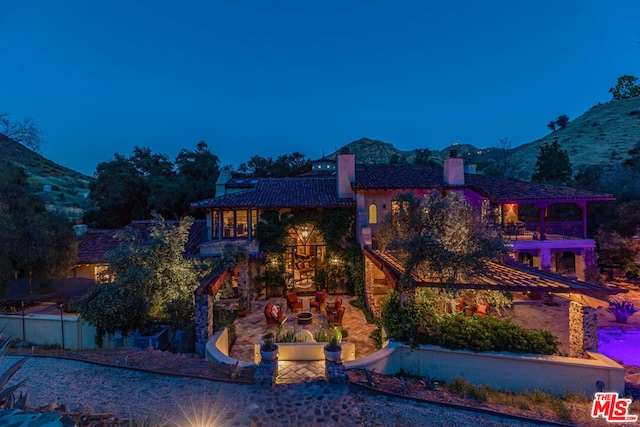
(333, 349)
(268, 349)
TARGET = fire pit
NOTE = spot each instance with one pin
(304, 318)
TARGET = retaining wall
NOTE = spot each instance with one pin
(506, 371)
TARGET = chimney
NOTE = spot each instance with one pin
(221, 183)
(454, 169)
(346, 174)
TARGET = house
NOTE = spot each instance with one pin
(95, 244)
(525, 210)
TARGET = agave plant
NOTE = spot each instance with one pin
(8, 400)
(622, 310)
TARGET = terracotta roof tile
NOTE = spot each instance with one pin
(95, 244)
(273, 193)
(406, 176)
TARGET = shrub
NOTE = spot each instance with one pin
(622, 310)
(420, 323)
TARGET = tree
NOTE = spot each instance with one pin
(440, 238)
(128, 188)
(552, 125)
(552, 165)
(286, 165)
(198, 171)
(627, 87)
(505, 165)
(152, 281)
(35, 243)
(25, 132)
(424, 157)
(562, 121)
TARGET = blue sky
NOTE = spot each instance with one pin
(273, 77)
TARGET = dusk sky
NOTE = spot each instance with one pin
(273, 77)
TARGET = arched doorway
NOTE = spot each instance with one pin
(305, 256)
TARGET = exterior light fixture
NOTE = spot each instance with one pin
(305, 232)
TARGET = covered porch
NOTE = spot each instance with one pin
(582, 298)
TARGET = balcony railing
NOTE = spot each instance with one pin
(553, 230)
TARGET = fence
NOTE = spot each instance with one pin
(68, 331)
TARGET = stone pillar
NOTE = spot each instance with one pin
(368, 286)
(204, 321)
(583, 329)
(243, 285)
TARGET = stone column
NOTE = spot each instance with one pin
(243, 285)
(583, 329)
(368, 286)
(204, 321)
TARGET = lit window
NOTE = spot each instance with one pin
(373, 214)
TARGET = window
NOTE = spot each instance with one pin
(373, 214)
(228, 222)
(215, 225)
(242, 225)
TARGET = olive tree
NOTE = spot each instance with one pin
(439, 238)
(152, 280)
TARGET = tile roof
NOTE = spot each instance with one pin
(396, 176)
(407, 176)
(506, 190)
(94, 245)
(274, 193)
(511, 276)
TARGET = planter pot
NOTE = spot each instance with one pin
(332, 356)
(269, 356)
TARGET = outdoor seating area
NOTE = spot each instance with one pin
(300, 322)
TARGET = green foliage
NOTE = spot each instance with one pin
(421, 323)
(552, 165)
(153, 281)
(562, 121)
(322, 335)
(286, 165)
(337, 229)
(627, 87)
(128, 188)
(35, 243)
(335, 339)
(441, 237)
(268, 343)
(425, 157)
(616, 251)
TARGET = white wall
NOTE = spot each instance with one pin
(507, 371)
(41, 329)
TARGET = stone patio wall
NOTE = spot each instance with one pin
(583, 330)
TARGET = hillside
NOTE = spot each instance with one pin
(67, 187)
(601, 136)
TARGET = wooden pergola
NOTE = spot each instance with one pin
(510, 276)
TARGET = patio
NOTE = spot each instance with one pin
(250, 329)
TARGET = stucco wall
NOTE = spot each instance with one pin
(553, 374)
(41, 329)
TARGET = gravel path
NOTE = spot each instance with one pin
(87, 387)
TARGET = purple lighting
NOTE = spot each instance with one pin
(620, 344)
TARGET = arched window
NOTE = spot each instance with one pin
(373, 214)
